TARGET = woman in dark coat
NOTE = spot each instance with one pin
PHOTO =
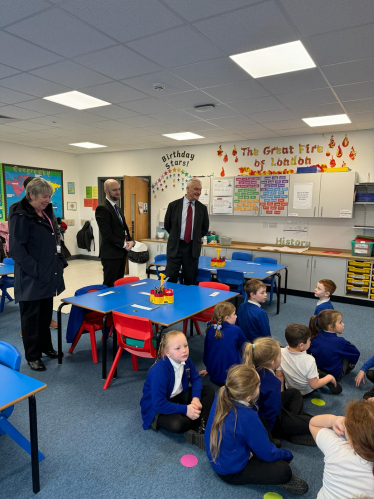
(38, 270)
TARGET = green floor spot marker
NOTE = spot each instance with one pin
(272, 495)
(317, 402)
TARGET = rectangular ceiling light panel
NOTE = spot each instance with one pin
(336, 119)
(183, 136)
(87, 145)
(77, 100)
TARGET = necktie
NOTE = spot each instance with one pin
(118, 214)
(188, 229)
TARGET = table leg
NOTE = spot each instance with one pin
(191, 327)
(115, 349)
(158, 337)
(34, 445)
(278, 292)
(59, 333)
(285, 285)
(103, 368)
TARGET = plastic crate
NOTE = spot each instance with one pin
(362, 249)
(360, 283)
(212, 238)
(362, 197)
(307, 169)
(372, 297)
(355, 269)
(364, 289)
(359, 264)
(357, 275)
(225, 241)
(336, 170)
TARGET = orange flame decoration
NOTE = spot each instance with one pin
(352, 154)
(332, 142)
(328, 153)
(245, 171)
(219, 152)
(225, 158)
(332, 163)
(339, 152)
(345, 141)
(236, 159)
(222, 172)
(234, 151)
(343, 164)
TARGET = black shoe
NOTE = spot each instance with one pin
(52, 354)
(200, 430)
(295, 486)
(336, 390)
(37, 365)
(307, 440)
(194, 438)
(369, 394)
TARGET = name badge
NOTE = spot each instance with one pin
(58, 248)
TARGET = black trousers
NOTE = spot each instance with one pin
(185, 260)
(36, 317)
(178, 423)
(259, 472)
(113, 270)
(291, 420)
(370, 375)
(347, 368)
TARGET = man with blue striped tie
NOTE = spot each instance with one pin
(115, 237)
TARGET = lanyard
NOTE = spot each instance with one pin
(50, 223)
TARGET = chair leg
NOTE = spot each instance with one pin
(271, 292)
(135, 365)
(76, 339)
(95, 360)
(185, 323)
(113, 368)
(196, 324)
(15, 435)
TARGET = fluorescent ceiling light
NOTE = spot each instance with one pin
(183, 136)
(87, 145)
(336, 119)
(77, 100)
(275, 60)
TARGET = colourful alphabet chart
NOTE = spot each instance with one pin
(246, 195)
(274, 195)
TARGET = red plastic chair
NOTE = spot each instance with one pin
(126, 280)
(206, 315)
(135, 335)
(93, 321)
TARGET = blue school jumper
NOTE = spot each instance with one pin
(269, 402)
(327, 305)
(159, 386)
(241, 437)
(368, 364)
(329, 349)
(221, 354)
(253, 321)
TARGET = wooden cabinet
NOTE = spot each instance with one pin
(337, 195)
(155, 248)
(304, 189)
(329, 268)
(299, 271)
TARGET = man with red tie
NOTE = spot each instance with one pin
(186, 221)
(115, 237)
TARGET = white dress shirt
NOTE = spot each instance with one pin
(184, 216)
(178, 371)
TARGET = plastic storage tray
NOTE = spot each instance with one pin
(355, 269)
(212, 238)
(357, 275)
(364, 289)
(362, 249)
(359, 264)
(358, 282)
(225, 241)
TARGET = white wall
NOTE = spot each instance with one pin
(43, 158)
(332, 233)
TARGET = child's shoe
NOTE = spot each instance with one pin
(307, 440)
(194, 438)
(295, 486)
(335, 390)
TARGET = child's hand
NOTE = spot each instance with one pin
(338, 425)
(192, 412)
(196, 403)
(332, 380)
(360, 377)
(203, 372)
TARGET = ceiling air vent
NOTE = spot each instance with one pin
(7, 119)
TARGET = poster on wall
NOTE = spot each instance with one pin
(247, 194)
(303, 196)
(14, 175)
(223, 206)
(224, 187)
(204, 196)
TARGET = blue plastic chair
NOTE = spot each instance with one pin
(5, 283)
(203, 275)
(157, 259)
(241, 255)
(234, 279)
(10, 357)
(269, 280)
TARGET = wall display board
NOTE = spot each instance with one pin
(247, 195)
(2, 196)
(13, 177)
(222, 191)
(274, 195)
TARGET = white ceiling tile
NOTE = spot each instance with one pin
(211, 73)
(232, 121)
(217, 132)
(167, 128)
(269, 116)
(247, 89)
(313, 111)
(149, 106)
(118, 62)
(113, 125)
(22, 55)
(296, 131)
(220, 111)
(296, 81)
(29, 125)
(51, 121)
(12, 11)
(188, 47)
(19, 113)
(6, 71)
(335, 128)
(71, 74)
(174, 117)
(9, 130)
(308, 98)
(80, 116)
(355, 91)
(146, 83)
(112, 112)
(288, 124)
(198, 9)
(342, 46)
(359, 117)
(124, 20)
(114, 92)
(258, 26)
(359, 106)
(188, 100)
(257, 105)
(43, 106)
(228, 137)
(350, 72)
(141, 121)
(321, 16)
(61, 33)
(260, 135)
(364, 125)
(247, 129)
(8, 96)
(200, 126)
(33, 85)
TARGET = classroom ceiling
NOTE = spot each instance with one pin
(116, 50)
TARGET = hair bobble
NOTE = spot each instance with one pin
(218, 327)
(253, 346)
(209, 323)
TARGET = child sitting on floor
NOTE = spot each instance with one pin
(281, 411)
(223, 343)
(367, 368)
(254, 321)
(168, 402)
(299, 368)
(237, 444)
(324, 289)
(334, 354)
(349, 461)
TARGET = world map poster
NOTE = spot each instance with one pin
(13, 177)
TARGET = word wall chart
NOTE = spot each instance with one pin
(247, 195)
(274, 195)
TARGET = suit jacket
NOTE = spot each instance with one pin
(173, 222)
(112, 232)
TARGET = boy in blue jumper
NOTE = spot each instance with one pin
(252, 320)
(324, 289)
(367, 368)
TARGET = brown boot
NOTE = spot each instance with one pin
(53, 324)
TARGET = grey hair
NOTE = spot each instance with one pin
(38, 186)
(192, 181)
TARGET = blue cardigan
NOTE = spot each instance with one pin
(327, 305)
(329, 349)
(237, 443)
(368, 364)
(253, 321)
(159, 386)
(221, 354)
(269, 401)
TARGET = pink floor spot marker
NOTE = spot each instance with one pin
(189, 461)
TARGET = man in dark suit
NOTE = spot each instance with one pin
(187, 221)
(116, 239)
